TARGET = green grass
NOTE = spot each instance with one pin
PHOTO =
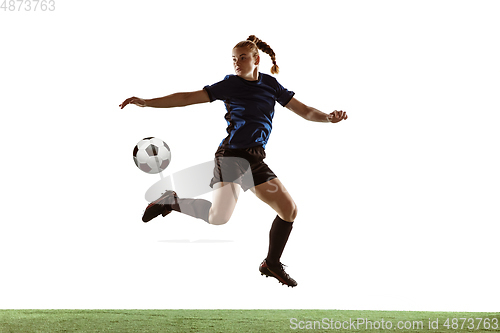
(232, 321)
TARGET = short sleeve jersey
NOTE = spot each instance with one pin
(250, 108)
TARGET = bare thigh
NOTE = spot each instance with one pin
(224, 199)
(275, 195)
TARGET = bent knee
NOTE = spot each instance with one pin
(295, 212)
(218, 218)
(290, 213)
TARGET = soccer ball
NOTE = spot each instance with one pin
(152, 155)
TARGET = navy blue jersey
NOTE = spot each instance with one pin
(250, 108)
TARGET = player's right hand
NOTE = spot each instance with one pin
(133, 100)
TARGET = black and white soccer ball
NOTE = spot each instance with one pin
(152, 155)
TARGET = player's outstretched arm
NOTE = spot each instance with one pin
(312, 114)
(170, 101)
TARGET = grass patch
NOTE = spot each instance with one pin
(228, 321)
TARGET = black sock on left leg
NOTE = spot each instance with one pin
(278, 237)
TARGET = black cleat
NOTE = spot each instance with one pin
(277, 272)
(162, 205)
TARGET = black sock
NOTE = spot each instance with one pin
(278, 236)
(199, 208)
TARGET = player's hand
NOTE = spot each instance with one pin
(336, 116)
(133, 100)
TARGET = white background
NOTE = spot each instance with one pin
(398, 205)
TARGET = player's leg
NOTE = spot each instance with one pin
(226, 182)
(273, 193)
(225, 197)
(219, 211)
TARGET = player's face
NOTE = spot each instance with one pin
(245, 63)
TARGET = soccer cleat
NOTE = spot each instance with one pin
(162, 205)
(277, 272)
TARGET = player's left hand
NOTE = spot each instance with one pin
(133, 100)
(336, 116)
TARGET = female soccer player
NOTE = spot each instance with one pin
(249, 97)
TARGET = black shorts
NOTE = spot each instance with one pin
(242, 166)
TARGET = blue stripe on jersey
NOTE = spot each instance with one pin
(250, 108)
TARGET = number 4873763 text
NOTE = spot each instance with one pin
(28, 5)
